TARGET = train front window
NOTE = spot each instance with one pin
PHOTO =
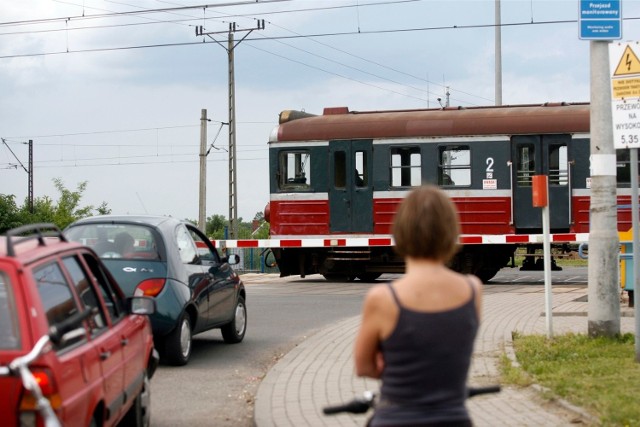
(295, 170)
(455, 166)
(405, 167)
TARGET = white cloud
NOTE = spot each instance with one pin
(64, 102)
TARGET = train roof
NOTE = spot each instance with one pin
(340, 123)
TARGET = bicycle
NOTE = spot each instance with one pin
(361, 405)
(63, 331)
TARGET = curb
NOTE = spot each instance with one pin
(541, 390)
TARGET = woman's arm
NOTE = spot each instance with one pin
(367, 356)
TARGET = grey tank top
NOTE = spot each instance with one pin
(427, 359)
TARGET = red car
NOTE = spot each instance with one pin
(100, 377)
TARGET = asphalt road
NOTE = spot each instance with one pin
(218, 386)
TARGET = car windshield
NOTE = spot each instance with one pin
(124, 241)
(9, 332)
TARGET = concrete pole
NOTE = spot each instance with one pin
(233, 188)
(202, 202)
(635, 221)
(604, 290)
(498, 71)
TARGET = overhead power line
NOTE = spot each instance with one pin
(135, 12)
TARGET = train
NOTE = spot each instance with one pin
(338, 177)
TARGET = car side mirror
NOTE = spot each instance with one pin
(141, 305)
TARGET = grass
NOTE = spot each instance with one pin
(563, 259)
(599, 375)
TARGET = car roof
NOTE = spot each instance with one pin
(34, 247)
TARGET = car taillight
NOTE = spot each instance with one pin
(149, 287)
(29, 415)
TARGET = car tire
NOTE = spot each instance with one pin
(177, 345)
(233, 332)
(139, 415)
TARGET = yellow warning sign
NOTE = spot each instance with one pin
(629, 63)
(625, 88)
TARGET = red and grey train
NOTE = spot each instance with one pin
(338, 178)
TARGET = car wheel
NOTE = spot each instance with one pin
(177, 345)
(139, 415)
(233, 332)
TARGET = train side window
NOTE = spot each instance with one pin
(406, 168)
(558, 165)
(525, 165)
(623, 167)
(361, 173)
(340, 169)
(294, 171)
(454, 169)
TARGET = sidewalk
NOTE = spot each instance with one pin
(319, 371)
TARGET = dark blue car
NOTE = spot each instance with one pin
(171, 260)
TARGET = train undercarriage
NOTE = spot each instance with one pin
(369, 263)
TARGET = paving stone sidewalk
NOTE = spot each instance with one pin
(319, 372)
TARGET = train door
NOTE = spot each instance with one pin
(541, 155)
(350, 186)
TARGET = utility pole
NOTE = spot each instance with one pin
(498, 71)
(604, 299)
(233, 188)
(202, 202)
(28, 171)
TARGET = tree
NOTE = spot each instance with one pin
(9, 213)
(215, 226)
(62, 213)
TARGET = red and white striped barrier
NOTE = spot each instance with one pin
(467, 239)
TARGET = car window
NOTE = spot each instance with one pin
(112, 300)
(204, 252)
(9, 332)
(186, 245)
(126, 241)
(87, 294)
(56, 296)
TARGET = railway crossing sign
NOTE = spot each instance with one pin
(624, 64)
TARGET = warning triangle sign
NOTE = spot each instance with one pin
(629, 63)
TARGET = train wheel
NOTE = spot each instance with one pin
(369, 277)
(337, 277)
(486, 274)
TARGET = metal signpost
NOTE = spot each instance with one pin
(624, 64)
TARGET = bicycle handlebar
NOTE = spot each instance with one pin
(362, 404)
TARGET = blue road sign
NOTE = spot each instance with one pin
(600, 20)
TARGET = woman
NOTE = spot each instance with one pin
(417, 333)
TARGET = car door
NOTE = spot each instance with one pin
(131, 330)
(78, 374)
(106, 337)
(197, 276)
(222, 286)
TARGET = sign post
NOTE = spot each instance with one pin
(625, 107)
(540, 196)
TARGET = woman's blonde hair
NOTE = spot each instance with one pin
(426, 225)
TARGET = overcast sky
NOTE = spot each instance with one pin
(114, 98)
